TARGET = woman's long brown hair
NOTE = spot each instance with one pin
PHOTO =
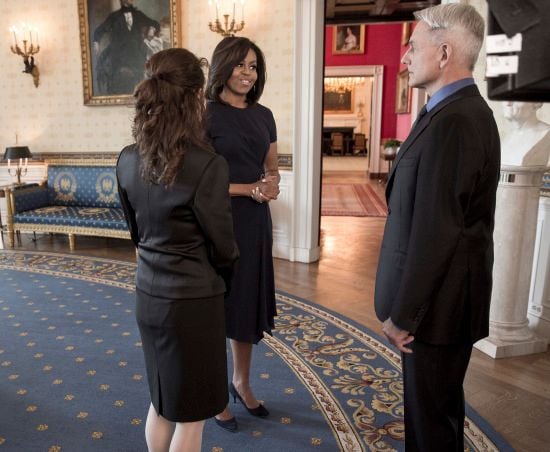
(169, 113)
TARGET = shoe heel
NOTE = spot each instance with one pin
(233, 392)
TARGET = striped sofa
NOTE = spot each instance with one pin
(80, 197)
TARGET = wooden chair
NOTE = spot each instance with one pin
(337, 143)
(359, 144)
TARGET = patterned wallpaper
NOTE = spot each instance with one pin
(53, 118)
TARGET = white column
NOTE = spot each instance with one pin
(515, 227)
(308, 91)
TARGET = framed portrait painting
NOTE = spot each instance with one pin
(403, 93)
(348, 39)
(117, 37)
(338, 102)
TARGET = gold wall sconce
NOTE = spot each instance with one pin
(28, 37)
(21, 156)
(230, 24)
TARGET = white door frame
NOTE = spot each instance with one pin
(377, 74)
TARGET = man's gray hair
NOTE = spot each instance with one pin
(461, 23)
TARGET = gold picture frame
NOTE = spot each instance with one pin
(112, 68)
(348, 39)
(405, 33)
(402, 93)
(339, 102)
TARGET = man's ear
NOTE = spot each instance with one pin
(444, 54)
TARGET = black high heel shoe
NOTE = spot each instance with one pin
(259, 411)
(230, 424)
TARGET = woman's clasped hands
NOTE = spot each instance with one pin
(266, 189)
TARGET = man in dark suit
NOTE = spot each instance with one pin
(121, 65)
(433, 285)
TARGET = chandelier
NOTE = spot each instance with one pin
(230, 24)
(342, 84)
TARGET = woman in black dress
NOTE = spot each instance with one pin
(244, 132)
(173, 189)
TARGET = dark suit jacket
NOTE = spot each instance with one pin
(184, 233)
(435, 271)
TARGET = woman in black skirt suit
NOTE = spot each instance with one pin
(173, 189)
(244, 132)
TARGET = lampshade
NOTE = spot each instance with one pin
(17, 152)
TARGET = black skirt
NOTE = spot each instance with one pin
(185, 355)
(250, 305)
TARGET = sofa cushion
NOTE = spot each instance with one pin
(92, 186)
(30, 196)
(90, 217)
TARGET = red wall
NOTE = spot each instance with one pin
(383, 47)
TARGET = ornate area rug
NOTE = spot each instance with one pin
(351, 200)
(72, 376)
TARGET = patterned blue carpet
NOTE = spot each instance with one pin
(72, 376)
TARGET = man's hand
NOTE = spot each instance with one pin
(397, 336)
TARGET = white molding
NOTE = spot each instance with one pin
(281, 215)
(36, 172)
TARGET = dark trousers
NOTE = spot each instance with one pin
(434, 398)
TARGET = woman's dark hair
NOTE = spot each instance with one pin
(170, 113)
(227, 55)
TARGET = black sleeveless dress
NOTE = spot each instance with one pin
(243, 137)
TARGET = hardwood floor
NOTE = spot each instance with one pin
(512, 394)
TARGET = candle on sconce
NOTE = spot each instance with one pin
(26, 161)
(20, 163)
(234, 18)
(242, 10)
(9, 163)
(216, 9)
(14, 31)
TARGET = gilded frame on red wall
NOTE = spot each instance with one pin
(402, 92)
(405, 33)
(348, 39)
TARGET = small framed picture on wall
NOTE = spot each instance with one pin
(348, 39)
(405, 33)
(402, 93)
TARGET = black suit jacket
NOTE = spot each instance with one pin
(434, 276)
(184, 233)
